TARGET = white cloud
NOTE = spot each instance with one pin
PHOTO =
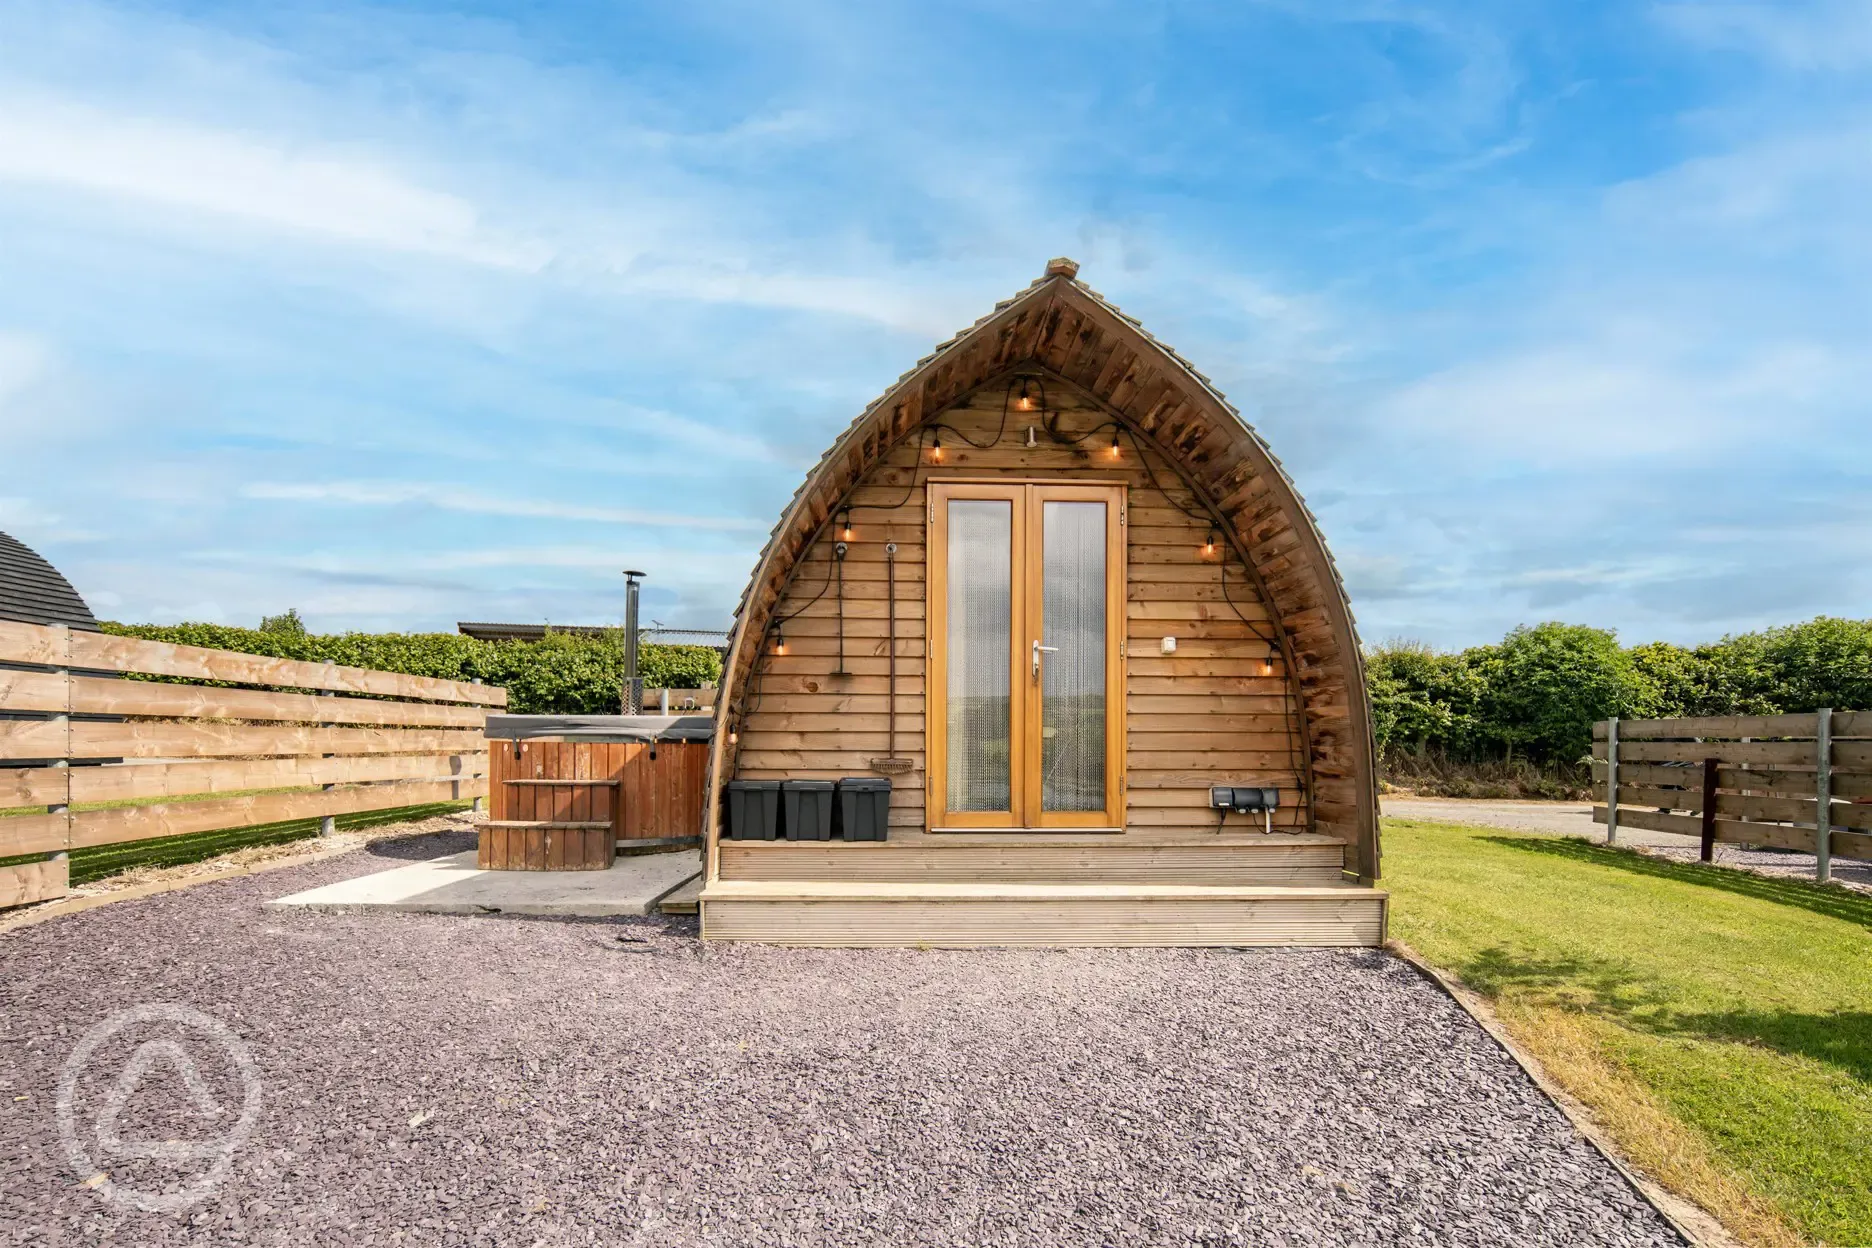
(1830, 35)
(297, 187)
(447, 498)
(684, 568)
(23, 361)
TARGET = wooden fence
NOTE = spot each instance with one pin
(1753, 780)
(678, 701)
(339, 739)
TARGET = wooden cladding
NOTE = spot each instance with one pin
(1208, 462)
(1221, 709)
(1773, 780)
(363, 740)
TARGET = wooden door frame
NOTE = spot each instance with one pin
(1026, 498)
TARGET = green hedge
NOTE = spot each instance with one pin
(1534, 695)
(1537, 693)
(561, 674)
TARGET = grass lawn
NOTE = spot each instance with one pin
(1718, 1023)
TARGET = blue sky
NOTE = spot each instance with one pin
(407, 315)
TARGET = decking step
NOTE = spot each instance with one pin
(954, 914)
(1292, 860)
(682, 900)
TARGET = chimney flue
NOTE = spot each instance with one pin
(633, 680)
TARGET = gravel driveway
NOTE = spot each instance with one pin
(499, 1081)
(1575, 819)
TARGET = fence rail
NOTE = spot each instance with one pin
(74, 731)
(1773, 780)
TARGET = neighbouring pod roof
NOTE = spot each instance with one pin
(32, 591)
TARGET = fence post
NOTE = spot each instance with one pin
(1709, 808)
(477, 801)
(328, 824)
(62, 634)
(1611, 781)
(1823, 795)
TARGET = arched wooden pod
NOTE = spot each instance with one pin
(1103, 366)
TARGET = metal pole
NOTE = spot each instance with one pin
(633, 680)
(477, 801)
(1823, 796)
(328, 824)
(62, 635)
(1611, 781)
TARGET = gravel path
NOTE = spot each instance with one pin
(498, 1081)
(1572, 818)
(1575, 819)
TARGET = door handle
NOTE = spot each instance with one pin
(1039, 650)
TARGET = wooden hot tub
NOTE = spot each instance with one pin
(567, 792)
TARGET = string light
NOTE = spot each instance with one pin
(936, 447)
(1114, 448)
(779, 640)
(1025, 402)
(1209, 546)
(1267, 663)
(845, 529)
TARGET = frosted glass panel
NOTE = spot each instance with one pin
(1072, 712)
(981, 606)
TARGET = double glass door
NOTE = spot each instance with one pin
(1026, 681)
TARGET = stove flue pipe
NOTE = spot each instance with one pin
(633, 679)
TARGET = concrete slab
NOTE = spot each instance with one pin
(453, 885)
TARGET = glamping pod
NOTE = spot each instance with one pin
(1054, 592)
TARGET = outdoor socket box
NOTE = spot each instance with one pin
(808, 806)
(753, 810)
(1242, 800)
(1168, 645)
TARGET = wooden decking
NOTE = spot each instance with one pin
(1286, 889)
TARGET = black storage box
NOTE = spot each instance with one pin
(864, 807)
(808, 809)
(753, 810)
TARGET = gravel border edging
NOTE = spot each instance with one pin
(1698, 1227)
